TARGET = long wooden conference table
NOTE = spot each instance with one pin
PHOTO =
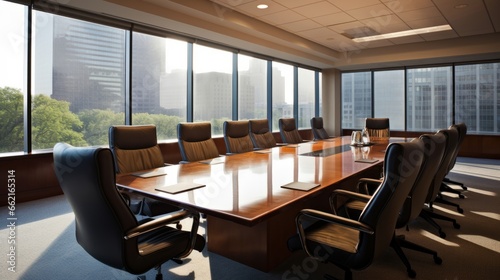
(250, 216)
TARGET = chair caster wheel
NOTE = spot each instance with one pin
(442, 234)
(411, 273)
(461, 196)
(438, 260)
(178, 226)
(456, 225)
(460, 210)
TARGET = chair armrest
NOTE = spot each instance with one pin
(364, 183)
(334, 219)
(158, 223)
(346, 194)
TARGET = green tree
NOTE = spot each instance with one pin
(96, 125)
(53, 122)
(218, 126)
(166, 126)
(11, 116)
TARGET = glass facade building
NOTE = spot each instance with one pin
(428, 98)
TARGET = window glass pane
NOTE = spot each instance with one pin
(429, 98)
(79, 81)
(306, 97)
(389, 97)
(252, 88)
(356, 99)
(159, 83)
(12, 75)
(477, 92)
(320, 85)
(282, 92)
(212, 86)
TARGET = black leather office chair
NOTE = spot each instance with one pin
(462, 131)
(378, 128)
(428, 212)
(354, 244)
(195, 141)
(105, 226)
(288, 131)
(260, 135)
(434, 147)
(318, 130)
(135, 148)
(236, 137)
(453, 145)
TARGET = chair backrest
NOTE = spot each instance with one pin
(102, 217)
(260, 135)
(451, 144)
(135, 147)
(434, 147)
(236, 137)
(401, 166)
(378, 128)
(288, 131)
(318, 130)
(462, 131)
(195, 141)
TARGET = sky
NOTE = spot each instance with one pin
(12, 40)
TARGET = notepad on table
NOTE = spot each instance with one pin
(292, 146)
(266, 151)
(179, 187)
(300, 186)
(367, 160)
(213, 161)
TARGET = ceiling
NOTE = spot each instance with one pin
(318, 33)
(332, 23)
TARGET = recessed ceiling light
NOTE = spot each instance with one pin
(403, 33)
(461, 6)
(262, 6)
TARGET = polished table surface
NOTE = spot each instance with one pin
(243, 191)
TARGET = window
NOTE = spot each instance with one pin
(159, 83)
(320, 93)
(306, 97)
(429, 98)
(282, 93)
(477, 92)
(212, 86)
(13, 72)
(252, 88)
(79, 81)
(356, 99)
(389, 97)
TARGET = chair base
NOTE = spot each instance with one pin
(395, 244)
(446, 188)
(440, 199)
(403, 243)
(447, 180)
(429, 216)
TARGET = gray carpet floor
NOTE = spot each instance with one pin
(46, 247)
